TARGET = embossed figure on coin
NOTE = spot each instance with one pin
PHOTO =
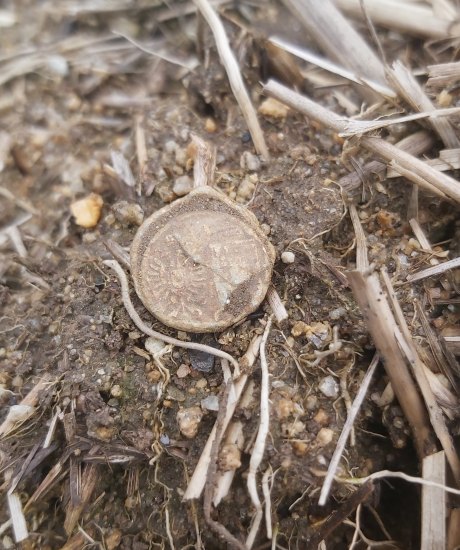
(202, 263)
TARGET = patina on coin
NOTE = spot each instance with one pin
(201, 263)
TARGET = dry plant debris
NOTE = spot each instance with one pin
(308, 148)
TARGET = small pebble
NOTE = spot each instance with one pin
(210, 403)
(153, 345)
(87, 211)
(183, 371)
(246, 189)
(210, 125)
(288, 257)
(183, 185)
(116, 391)
(175, 393)
(57, 65)
(292, 429)
(337, 313)
(7, 542)
(329, 387)
(128, 213)
(164, 439)
(229, 457)
(299, 328)
(250, 162)
(189, 420)
(311, 402)
(324, 437)
(17, 382)
(170, 146)
(300, 448)
(284, 408)
(272, 108)
(201, 384)
(321, 417)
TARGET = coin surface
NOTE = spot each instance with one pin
(201, 263)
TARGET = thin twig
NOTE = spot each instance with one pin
(381, 324)
(382, 474)
(435, 270)
(411, 91)
(434, 410)
(362, 263)
(416, 170)
(406, 16)
(434, 509)
(230, 63)
(217, 527)
(259, 445)
(346, 430)
(338, 38)
(113, 264)
(198, 479)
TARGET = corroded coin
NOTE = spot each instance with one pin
(201, 263)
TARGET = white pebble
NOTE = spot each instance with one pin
(210, 403)
(182, 186)
(154, 346)
(189, 421)
(324, 437)
(250, 162)
(329, 387)
(57, 65)
(337, 313)
(288, 257)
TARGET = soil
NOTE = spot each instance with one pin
(62, 314)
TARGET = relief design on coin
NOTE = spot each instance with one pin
(204, 263)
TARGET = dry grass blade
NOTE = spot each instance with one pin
(141, 149)
(434, 410)
(442, 75)
(335, 35)
(361, 127)
(382, 327)
(198, 479)
(204, 162)
(453, 534)
(346, 509)
(445, 360)
(18, 519)
(188, 64)
(277, 306)
(405, 16)
(234, 436)
(234, 76)
(435, 270)
(362, 263)
(327, 65)
(449, 159)
(411, 91)
(122, 168)
(220, 427)
(422, 239)
(89, 479)
(413, 168)
(434, 503)
(27, 406)
(415, 144)
(342, 441)
(264, 424)
(445, 9)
